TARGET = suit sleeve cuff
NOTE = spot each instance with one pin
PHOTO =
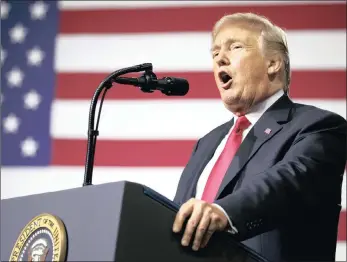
(232, 230)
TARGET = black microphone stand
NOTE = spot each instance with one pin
(93, 133)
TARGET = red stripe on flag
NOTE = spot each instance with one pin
(130, 153)
(305, 84)
(341, 236)
(178, 19)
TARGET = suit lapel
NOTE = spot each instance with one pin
(266, 128)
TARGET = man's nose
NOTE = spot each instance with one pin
(222, 59)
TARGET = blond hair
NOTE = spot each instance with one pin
(273, 38)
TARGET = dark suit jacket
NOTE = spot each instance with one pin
(282, 190)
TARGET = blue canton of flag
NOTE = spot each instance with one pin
(28, 31)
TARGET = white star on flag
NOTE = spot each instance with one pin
(38, 10)
(32, 100)
(11, 123)
(29, 147)
(35, 56)
(5, 9)
(3, 56)
(18, 33)
(15, 77)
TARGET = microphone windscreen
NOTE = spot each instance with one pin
(175, 86)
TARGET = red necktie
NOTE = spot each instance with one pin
(218, 172)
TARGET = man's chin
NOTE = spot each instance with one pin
(233, 104)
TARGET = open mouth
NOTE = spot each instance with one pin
(225, 79)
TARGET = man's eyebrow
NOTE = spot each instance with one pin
(230, 40)
(214, 48)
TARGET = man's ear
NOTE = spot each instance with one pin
(274, 64)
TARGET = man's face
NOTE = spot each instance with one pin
(240, 68)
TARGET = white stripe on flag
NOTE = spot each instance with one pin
(35, 180)
(341, 251)
(309, 49)
(151, 119)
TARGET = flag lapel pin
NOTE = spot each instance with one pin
(267, 131)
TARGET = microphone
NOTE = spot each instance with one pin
(148, 82)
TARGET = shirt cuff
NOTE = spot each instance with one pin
(233, 229)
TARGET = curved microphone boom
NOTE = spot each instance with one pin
(93, 133)
(148, 82)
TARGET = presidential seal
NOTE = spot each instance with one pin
(42, 239)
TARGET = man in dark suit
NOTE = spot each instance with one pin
(272, 175)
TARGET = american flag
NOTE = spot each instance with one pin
(55, 54)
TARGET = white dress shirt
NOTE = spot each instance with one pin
(253, 116)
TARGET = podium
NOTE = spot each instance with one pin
(121, 221)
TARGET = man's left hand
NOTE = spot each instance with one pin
(204, 220)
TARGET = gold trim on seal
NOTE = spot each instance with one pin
(44, 221)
